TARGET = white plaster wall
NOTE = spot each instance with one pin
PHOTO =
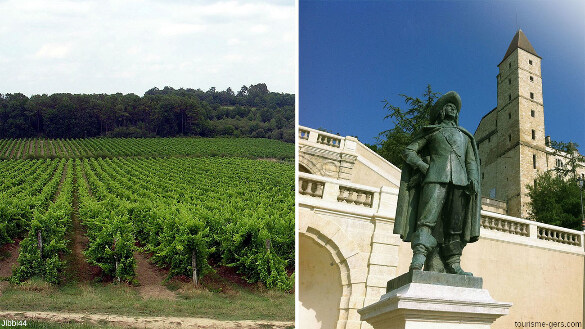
(543, 284)
(320, 286)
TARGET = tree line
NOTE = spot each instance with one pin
(252, 111)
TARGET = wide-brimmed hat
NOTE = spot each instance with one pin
(449, 97)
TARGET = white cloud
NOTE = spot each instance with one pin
(54, 7)
(180, 29)
(132, 46)
(234, 42)
(259, 28)
(53, 51)
(233, 58)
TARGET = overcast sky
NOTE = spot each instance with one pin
(131, 46)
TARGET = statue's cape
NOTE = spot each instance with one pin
(408, 196)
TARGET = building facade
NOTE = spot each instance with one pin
(513, 146)
(347, 197)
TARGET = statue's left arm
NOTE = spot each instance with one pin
(472, 166)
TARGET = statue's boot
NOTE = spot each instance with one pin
(422, 243)
(418, 258)
(451, 252)
(453, 266)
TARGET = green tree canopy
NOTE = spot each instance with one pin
(254, 112)
(391, 143)
(555, 200)
(555, 197)
(572, 160)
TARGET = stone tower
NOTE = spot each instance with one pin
(511, 137)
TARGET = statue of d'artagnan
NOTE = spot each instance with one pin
(439, 201)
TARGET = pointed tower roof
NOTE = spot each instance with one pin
(520, 41)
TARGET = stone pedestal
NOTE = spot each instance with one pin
(433, 300)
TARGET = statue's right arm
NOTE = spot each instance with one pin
(411, 154)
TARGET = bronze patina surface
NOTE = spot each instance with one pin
(439, 202)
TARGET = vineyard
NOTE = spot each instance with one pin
(189, 203)
(34, 148)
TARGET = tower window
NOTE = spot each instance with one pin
(482, 175)
(530, 61)
(531, 95)
(509, 81)
(510, 138)
(509, 97)
(534, 161)
(509, 116)
(533, 134)
(531, 79)
(532, 113)
(510, 65)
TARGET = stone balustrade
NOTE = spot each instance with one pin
(505, 225)
(311, 187)
(345, 194)
(304, 133)
(560, 236)
(365, 200)
(329, 140)
(531, 229)
(351, 198)
(320, 137)
(355, 196)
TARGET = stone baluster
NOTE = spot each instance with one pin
(368, 201)
(358, 198)
(343, 194)
(350, 197)
(311, 188)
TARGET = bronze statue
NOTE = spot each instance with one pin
(439, 202)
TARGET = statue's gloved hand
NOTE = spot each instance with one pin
(471, 188)
(416, 180)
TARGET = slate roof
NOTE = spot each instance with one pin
(520, 41)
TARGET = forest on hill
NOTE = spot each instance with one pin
(252, 111)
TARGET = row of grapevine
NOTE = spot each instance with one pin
(186, 211)
(109, 229)
(45, 241)
(120, 147)
(27, 188)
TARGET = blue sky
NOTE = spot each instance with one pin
(355, 54)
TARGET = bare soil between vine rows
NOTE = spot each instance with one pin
(8, 258)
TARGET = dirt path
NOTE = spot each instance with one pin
(78, 266)
(14, 150)
(41, 147)
(63, 176)
(143, 322)
(151, 279)
(10, 251)
(32, 150)
(52, 146)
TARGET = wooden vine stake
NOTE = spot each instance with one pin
(194, 265)
(40, 243)
(116, 259)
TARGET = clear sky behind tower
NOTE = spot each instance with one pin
(353, 55)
